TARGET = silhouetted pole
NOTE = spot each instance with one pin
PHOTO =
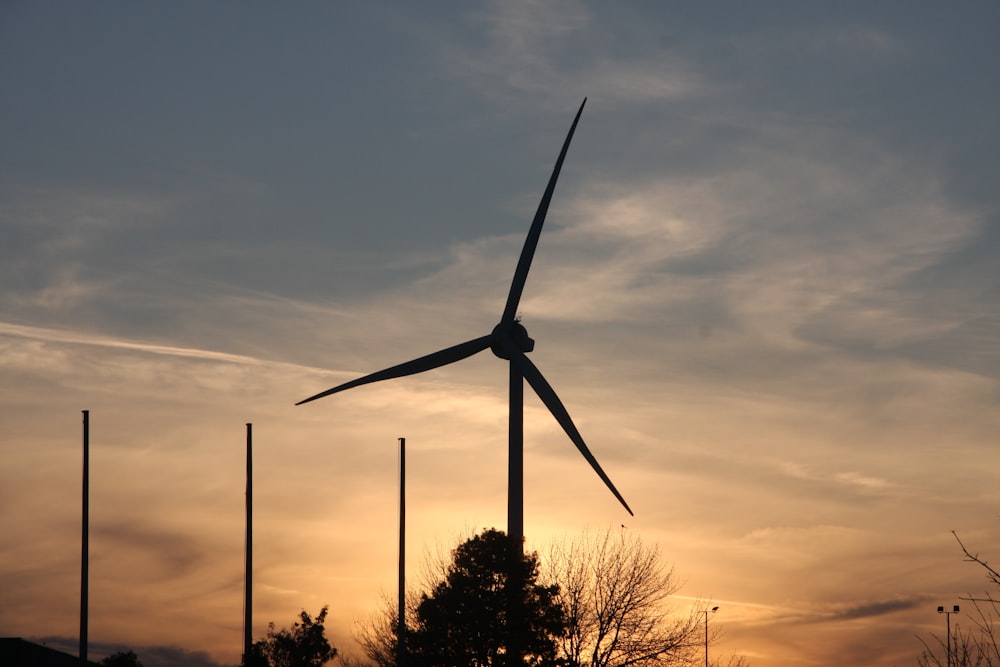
(248, 549)
(401, 623)
(948, 614)
(85, 541)
(705, 611)
(948, 622)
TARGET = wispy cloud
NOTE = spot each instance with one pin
(849, 479)
(60, 336)
(555, 51)
(875, 609)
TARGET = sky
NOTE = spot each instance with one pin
(767, 293)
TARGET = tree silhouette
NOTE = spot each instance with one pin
(611, 591)
(305, 645)
(122, 659)
(464, 620)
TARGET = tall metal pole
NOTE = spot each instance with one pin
(954, 610)
(706, 638)
(248, 554)
(401, 622)
(948, 622)
(705, 611)
(85, 541)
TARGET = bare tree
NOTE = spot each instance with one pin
(975, 646)
(377, 635)
(735, 661)
(967, 650)
(616, 593)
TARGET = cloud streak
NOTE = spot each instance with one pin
(58, 336)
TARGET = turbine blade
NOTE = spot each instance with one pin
(434, 360)
(531, 242)
(558, 410)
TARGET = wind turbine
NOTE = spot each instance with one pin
(509, 340)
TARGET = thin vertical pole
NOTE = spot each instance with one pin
(706, 612)
(948, 621)
(706, 638)
(248, 549)
(401, 622)
(85, 541)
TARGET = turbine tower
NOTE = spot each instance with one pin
(509, 341)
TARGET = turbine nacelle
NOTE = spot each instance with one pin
(513, 332)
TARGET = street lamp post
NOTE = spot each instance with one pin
(947, 614)
(705, 611)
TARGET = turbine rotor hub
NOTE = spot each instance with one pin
(514, 332)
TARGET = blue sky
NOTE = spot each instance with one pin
(766, 292)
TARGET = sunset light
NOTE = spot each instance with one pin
(767, 294)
